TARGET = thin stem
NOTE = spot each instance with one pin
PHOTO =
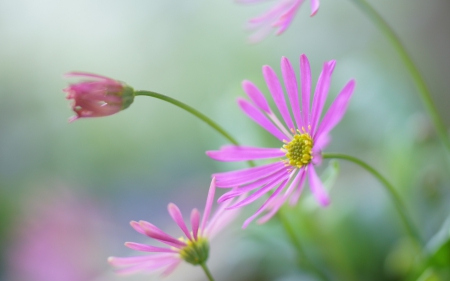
(191, 110)
(411, 66)
(412, 231)
(207, 272)
(298, 245)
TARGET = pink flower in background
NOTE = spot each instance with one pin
(301, 143)
(97, 95)
(60, 238)
(279, 17)
(193, 248)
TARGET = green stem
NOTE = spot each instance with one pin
(412, 231)
(299, 247)
(191, 110)
(410, 65)
(207, 272)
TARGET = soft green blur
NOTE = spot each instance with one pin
(134, 163)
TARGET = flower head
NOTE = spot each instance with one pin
(97, 95)
(193, 248)
(279, 17)
(301, 142)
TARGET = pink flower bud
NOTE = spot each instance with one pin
(97, 95)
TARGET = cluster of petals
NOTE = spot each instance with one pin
(167, 258)
(95, 96)
(286, 181)
(279, 17)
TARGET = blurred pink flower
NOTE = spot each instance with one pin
(193, 248)
(302, 142)
(279, 17)
(97, 96)
(61, 238)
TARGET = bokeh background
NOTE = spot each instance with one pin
(68, 191)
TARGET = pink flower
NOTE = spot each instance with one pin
(302, 142)
(97, 96)
(193, 248)
(279, 17)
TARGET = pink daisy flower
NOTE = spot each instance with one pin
(279, 17)
(193, 248)
(97, 95)
(301, 142)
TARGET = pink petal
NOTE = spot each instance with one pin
(259, 193)
(137, 227)
(320, 95)
(260, 119)
(314, 7)
(243, 153)
(317, 187)
(298, 191)
(337, 109)
(156, 233)
(256, 96)
(277, 93)
(286, 18)
(177, 216)
(147, 248)
(290, 80)
(116, 261)
(251, 177)
(209, 202)
(195, 222)
(280, 201)
(171, 267)
(87, 75)
(305, 76)
(244, 189)
(264, 206)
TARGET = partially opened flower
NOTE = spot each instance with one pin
(97, 95)
(301, 142)
(279, 17)
(193, 248)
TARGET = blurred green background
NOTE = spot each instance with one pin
(68, 191)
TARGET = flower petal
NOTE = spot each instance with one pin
(277, 93)
(156, 233)
(314, 7)
(264, 206)
(259, 193)
(243, 153)
(209, 202)
(260, 119)
(320, 95)
(305, 78)
(298, 191)
(256, 96)
(290, 81)
(177, 216)
(245, 176)
(336, 110)
(148, 248)
(195, 222)
(244, 189)
(317, 187)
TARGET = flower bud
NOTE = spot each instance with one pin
(97, 96)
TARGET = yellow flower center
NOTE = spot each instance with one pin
(299, 150)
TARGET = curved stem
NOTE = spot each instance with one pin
(410, 65)
(299, 247)
(191, 110)
(412, 231)
(207, 272)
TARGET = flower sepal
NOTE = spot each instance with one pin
(196, 252)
